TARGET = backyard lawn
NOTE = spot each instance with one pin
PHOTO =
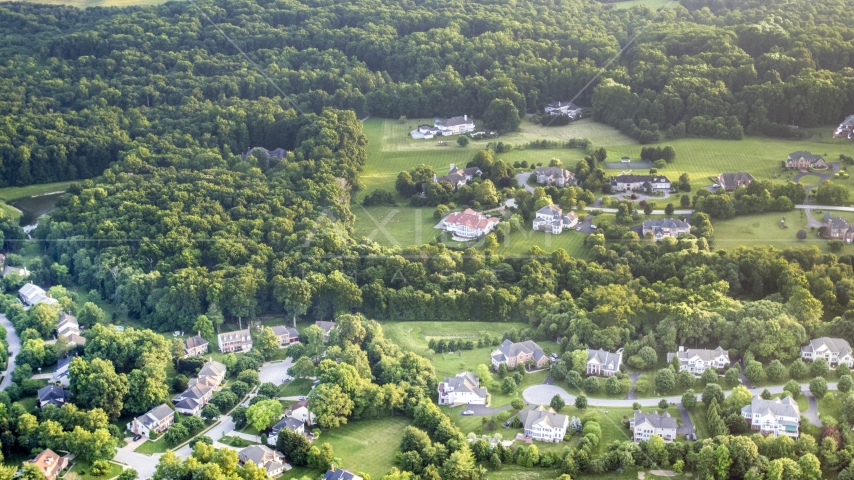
(81, 466)
(295, 388)
(154, 446)
(764, 229)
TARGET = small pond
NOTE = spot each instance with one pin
(34, 207)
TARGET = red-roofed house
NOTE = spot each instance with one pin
(49, 463)
(469, 224)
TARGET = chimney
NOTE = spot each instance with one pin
(332, 466)
(452, 167)
(681, 348)
(465, 117)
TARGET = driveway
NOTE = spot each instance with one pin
(687, 424)
(812, 411)
(143, 464)
(834, 169)
(483, 410)
(631, 395)
(275, 372)
(586, 225)
(522, 178)
(542, 395)
(14, 348)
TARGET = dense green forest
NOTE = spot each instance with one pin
(80, 87)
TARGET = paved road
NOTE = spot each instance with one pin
(522, 178)
(687, 424)
(542, 395)
(275, 372)
(825, 207)
(14, 347)
(143, 464)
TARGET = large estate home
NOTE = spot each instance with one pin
(552, 219)
(32, 295)
(846, 128)
(543, 424)
(156, 420)
(555, 176)
(458, 177)
(775, 417)
(263, 457)
(603, 362)
(667, 227)
(237, 341)
(464, 389)
(49, 463)
(569, 109)
(645, 425)
(838, 228)
(835, 350)
(803, 160)
(468, 224)
(697, 360)
(729, 181)
(627, 183)
(194, 346)
(516, 353)
(455, 125)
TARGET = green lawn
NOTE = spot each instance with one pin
(236, 442)
(367, 445)
(698, 418)
(764, 229)
(296, 387)
(13, 193)
(154, 446)
(81, 466)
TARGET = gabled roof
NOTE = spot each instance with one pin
(293, 332)
(552, 210)
(212, 369)
(701, 353)
(534, 415)
(196, 392)
(666, 223)
(466, 382)
(656, 420)
(733, 178)
(470, 219)
(340, 474)
(300, 404)
(555, 172)
(559, 104)
(660, 179)
(62, 364)
(280, 330)
(804, 154)
(454, 121)
(786, 407)
(156, 415)
(610, 361)
(236, 336)
(834, 345)
(195, 342)
(47, 460)
(22, 271)
(30, 290)
(53, 394)
(289, 423)
(510, 349)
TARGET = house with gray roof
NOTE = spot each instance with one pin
(555, 176)
(803, 160)
(645, 425)
(156, 420)
(52, 395)
(288, 423)
(603, 362)
(458, 177)
(195, 346)
(32, 295)
(551, 218)
(60, 373)
(192, 400)
(263, 457)
(838, 228)
(237, 341)
(666, 227)
(327, 328)
(340, 474)
(835, 350)
(22, 271)
(515, 353)
(569, 109)
(649, 183)
(731, 181)
(285, 334)
(773, 417)
(455, 125)
(697, 360)
(543, 424)
(464, 389)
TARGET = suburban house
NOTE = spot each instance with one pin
(192, 400)
(301, 412)
(60, 373)
(340, 474)
(31, 294)
(156, 420)
(667, 227)
(49, 463)
(327, 328)
(278, 153)
(697, 360)
(288, 423)
(455, 125)
(464, 389)
(645, 425)
(555, 176)
(212, 374)
(775, 416)
(52, 395)
(237, 341)
(468, 224)
(195, 346)
(552, 219)
(731, 181)
(67, 325)
(543, 424)
(263, 457)
(839, 229)
(512, 354)
(603, 362)
(805, 160)
(23, 272)
(458, 177)
(846, 128)
(835, 350)
(626, 183)
(286, 335)
(569, 109)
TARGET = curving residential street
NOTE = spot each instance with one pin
(14, 348)
(522, 178)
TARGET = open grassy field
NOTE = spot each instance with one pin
(763, 229)
(13, 193)
(80, 466)
(367, 445)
